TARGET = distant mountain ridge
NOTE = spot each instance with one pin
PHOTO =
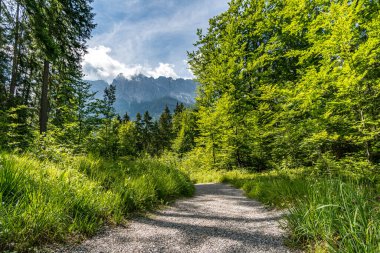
(141, 93)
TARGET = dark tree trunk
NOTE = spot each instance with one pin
(44, 98)
(15, 55)
(3, 89)
(28, 87)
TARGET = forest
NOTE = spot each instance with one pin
(288, 109)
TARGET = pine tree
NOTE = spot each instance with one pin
(109, 99)
(126, 117)
(165, 127)
(147, 125)
(60, 29)
(177, 118)
(156, 145)
(139, 133)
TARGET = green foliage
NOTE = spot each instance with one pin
(185, 124)
(147, 132)
(109, 99)
(284, 82)
(43, 39)
(46, 148)
(105, 140)
(127, 136)
(15, 128)
(44, 202)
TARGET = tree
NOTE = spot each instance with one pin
(147, 125)
(185, 139)
(165, 127)
(41, 49)
(108, 111)
(139, 133)
(156, 146)
(109, 99)
(128, 139)
(284, 82)
(5, 21)
(177, 118)
(60, 29)
(105, 140)
(12, 88)
(126, 117)
(179, 108)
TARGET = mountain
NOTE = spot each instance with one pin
(141, 93)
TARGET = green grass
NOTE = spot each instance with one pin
(275, 188)
(326, 213)
(44, 202)
(342, 216)
(332, 207)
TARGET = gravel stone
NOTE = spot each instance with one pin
(218, 218)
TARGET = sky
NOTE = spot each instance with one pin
(150, 37)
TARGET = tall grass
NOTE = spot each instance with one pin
(326, 213)
(341, 216)
(43, 202)
(275, 188)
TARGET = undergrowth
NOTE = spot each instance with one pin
(43, 202)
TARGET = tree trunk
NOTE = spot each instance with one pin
(1, 8)
(44, 98)
(3, 89)
(26, 94)
(15, 55)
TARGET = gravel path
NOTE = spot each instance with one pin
(218, 219)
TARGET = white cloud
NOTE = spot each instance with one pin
(148, 33)
(98, 64)
(164, 69)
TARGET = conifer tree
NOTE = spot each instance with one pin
(165, 127)
(139, 133)
(126, 117)
(147, 125)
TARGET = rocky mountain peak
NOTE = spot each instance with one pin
(141, 93)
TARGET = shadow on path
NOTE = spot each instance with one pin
(217, 219)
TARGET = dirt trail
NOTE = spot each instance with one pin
(218, 218)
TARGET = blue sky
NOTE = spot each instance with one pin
(146, 36)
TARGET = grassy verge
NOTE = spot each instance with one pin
(334, 208)
(43, 202)
(326, 214)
